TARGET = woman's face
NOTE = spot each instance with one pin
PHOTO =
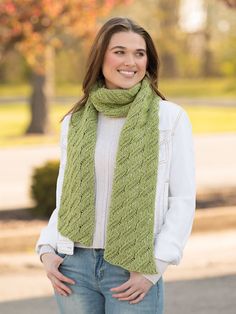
(125, 60)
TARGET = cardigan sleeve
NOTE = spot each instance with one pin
(161, 267)
(178, 220)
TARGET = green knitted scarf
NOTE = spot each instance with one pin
(130, 228)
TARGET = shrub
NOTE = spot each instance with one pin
(43, 188)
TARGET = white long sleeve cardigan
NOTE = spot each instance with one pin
(175, 196)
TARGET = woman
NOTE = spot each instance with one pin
(125, 190)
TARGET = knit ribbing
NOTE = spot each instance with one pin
(130, 238)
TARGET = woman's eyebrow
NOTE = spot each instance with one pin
(117, 47)
(122, 47)
(141, 49)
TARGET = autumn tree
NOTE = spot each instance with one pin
(35, 28)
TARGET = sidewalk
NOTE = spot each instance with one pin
(215, 167)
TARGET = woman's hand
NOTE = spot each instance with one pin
(51, 262)
(133, 290)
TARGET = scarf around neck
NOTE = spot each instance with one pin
(130, 227)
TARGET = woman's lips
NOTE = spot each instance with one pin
(128, 74)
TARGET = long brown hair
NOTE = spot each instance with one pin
(96, 56)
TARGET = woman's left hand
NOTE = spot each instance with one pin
(134, 289)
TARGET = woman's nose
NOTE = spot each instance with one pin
(129, 60)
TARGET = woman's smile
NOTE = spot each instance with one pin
(127, 73)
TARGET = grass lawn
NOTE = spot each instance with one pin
(14, 119)
(199, 88)
(208, 119)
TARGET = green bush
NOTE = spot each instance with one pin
(43, 188)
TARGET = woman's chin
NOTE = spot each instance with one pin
(127, 85)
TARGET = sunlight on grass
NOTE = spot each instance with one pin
(14, 120)
(15, 90)
(208, 119)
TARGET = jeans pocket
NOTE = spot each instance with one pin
(64, 256)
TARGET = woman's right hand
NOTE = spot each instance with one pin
(51, 262)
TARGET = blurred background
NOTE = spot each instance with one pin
(43, 49)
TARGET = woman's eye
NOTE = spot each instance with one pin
(140, 54)
(119, 52)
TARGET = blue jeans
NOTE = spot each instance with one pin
(91, 293)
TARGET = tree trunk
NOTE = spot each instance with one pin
(207, 55)
(168, 12)
(42, 94)
(207, 58)
(169, 66)
(39, 106)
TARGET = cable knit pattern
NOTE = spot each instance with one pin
(130, 237)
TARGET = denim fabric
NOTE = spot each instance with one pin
(94, 277)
